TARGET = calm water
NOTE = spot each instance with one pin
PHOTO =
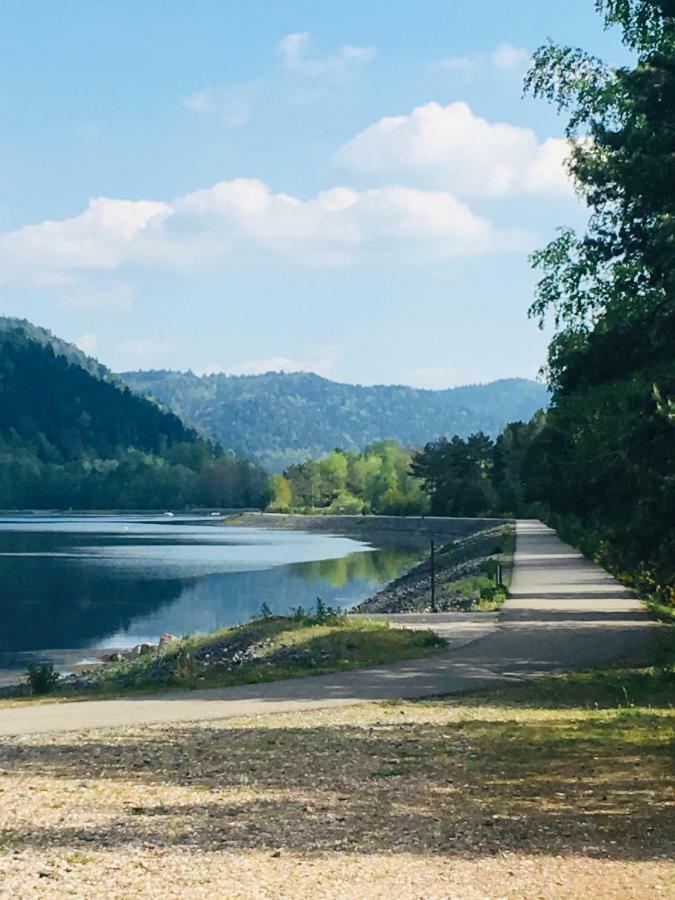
(85, 583)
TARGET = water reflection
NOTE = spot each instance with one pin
(115, 581)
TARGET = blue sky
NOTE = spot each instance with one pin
(351, 188)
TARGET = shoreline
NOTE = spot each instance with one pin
(406, 531)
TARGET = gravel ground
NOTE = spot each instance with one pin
(435, 799)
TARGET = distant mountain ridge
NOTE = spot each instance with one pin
(280, 418)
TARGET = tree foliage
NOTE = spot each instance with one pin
(605, 456)
(378, 480)
(73, 437)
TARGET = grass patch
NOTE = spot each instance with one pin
(661, 611)
(548, 789)
(266, 649)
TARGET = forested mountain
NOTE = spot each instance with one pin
(45, 338)
(282, 418)
(72, 435)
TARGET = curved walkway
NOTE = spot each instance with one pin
(564, 612)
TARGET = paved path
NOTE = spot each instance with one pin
(564, 612)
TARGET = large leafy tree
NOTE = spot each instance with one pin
(609, 446)
(456, 474)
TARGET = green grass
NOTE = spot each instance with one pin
(660, 611)
(266, 649)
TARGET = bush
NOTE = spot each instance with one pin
(41, 677)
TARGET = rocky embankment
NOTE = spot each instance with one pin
(381, 530)
(463, 559)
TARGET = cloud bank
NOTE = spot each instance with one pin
(450, 148)
(243, 220)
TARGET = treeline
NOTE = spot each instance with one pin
(379, 480)
(460, 477)
(600, 465)
(74, 438)
(604, 463)
(482, 477)
(130, 479)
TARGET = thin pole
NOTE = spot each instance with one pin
(433, 577)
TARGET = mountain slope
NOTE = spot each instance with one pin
(72, 435)
(279, 418)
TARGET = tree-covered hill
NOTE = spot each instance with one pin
(72, 435)
(43, 336)
(282, 418)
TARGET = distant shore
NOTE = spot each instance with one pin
(436, 528)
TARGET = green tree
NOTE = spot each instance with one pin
(605, 455)
(457, 475)
(282, 498)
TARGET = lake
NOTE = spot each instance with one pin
(73, 585)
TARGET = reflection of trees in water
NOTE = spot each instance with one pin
(376, 566)
(216, 601)
(50, 602)
(54, 603)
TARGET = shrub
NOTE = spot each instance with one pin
(322, 615)
(41, 677)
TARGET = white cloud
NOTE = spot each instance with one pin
(239, 219)
(98, 238)
(232, 104)
(87, 343)
(294, 55)
(450, 148)
(144, 352)
(115, 296)
(322, 365)
(435, 377)
(505, 59)
(242, 221)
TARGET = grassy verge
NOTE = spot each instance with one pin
(479, 591)
(660, 611)
(265, 649)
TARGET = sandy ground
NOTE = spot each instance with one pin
(409, 800)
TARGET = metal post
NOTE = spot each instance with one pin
(433, 577)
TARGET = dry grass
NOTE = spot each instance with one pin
(441, 799)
